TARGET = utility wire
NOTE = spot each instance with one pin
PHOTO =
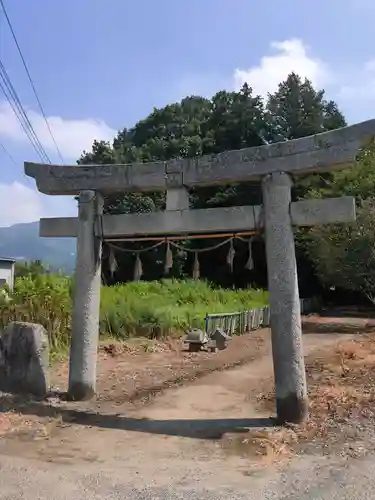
(30, 79)
(14, 101)
(24, 127)
(21, 114)
(13, 94)
(7, 153)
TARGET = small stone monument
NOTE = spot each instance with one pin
(218, 341)
(24, 359)
(196, 339)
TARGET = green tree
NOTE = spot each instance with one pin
(197, 126)
(33, 269)
(297, 110)
(344, 255)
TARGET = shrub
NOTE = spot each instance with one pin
(41, 299)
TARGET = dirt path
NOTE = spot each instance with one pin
(132, 371)
(140, 368)
(170, 445)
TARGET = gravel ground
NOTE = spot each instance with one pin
(326, 479)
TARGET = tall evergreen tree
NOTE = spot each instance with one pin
(197, 126)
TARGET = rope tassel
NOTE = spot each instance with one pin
(138, 269)
(231, 254)
(196, 269)
(112, 262)
(250, 262)
(168, 259)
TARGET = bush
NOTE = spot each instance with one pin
(344, 255)
(149, 309)
(43, 299)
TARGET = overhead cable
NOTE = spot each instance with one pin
(11, 96)
(7, 153)
(30, 79)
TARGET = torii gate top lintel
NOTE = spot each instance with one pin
(315, 153)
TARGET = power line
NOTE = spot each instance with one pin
(11, 94)
(15, 103)
(7, 153)
(24, 127)
(30, 79)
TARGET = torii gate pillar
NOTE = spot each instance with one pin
(285, 319)
(86, 304)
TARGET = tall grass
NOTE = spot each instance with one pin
(169, 306)
(44, 299)
(149, 309)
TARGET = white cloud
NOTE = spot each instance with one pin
(72, 136)
(352, 86)
(357, 93)
(20, 203)
(290, 55)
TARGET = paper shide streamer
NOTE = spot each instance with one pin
(250, 262)
(231, 255)
(168, 259)
(196, 267)
(168, 264)
(112, 262)
(138, 270)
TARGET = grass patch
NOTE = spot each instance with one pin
(168, 307)
(139, 309)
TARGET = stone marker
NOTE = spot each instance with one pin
(220, 338)
(196, 339)
(24, 359)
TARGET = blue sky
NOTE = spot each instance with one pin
(99, 66)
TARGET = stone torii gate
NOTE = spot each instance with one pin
(273, 165)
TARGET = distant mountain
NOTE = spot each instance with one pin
(22, 242)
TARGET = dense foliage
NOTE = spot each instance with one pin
(32, 268)
(198, 126)
(134, 309)
(344, 255)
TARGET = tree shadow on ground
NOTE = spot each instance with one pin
(189, 428)
(309, 326)
(365, 312)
